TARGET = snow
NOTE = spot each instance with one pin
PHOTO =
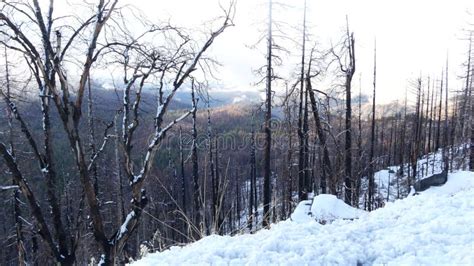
(300, 214)
(328, 207)
(102, 260)
(324, 208)
(456, 183)
(8, 187)
(431, 228)
(390, 186)
(123, 227)
(159, 110)
(136, 178)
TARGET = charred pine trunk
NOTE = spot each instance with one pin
(446, 152)
(327, 171)
(360, 163)
(465, 99)
(416, 137)
(427, 118)
(221, 193)
(20, 240)
(92, 140)
(370, 197)
(402, 139)
(214, 183)
(267, 127)
(453, 138)
(197, 208)
(438, 129)
(184, 191)
(253, 179)
(288, 197)
(302, 161)
(430, 125)
(349, 73)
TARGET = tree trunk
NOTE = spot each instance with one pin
(194, 157)
(267, 127)
(22, 258)
(446, 126)
(348, 180)
(302, 162)
(184, 191)
(370, 197)
(327, 172)
(253, 205)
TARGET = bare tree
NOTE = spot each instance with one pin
(446, 153)
(20, 246)
(48, 66)
(348, 66)
(370, 197)
(327, 171)
(267, 126)
(197, 194)
(302, 125)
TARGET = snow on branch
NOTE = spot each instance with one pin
(5, 188)
(102, 147)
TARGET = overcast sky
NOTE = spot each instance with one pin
(413, 36)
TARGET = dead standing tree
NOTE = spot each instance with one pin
(303, 176)
(197, 195)
(46, 58)
(267, 126)
(45, 62)
(370, 197)
(347, 64)
(327, 184)
(20, 246)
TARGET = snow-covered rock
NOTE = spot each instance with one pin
(301, 212)
(432, 228)
(327, 208)
(324, 208)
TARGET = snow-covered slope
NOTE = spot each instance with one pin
(433, 228)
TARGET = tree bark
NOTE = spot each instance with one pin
(370, 197)
(349, 72)
(197, 208)
(267, 127)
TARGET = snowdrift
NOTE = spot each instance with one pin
(328, 207)
(324, 208)
(432, 228)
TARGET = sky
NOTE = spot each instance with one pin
(413, 37)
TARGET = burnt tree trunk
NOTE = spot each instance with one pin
(197, 207)
(267, 127)
(349, 73)
(20, 247)
(370, 197)
(302, 161)
(327, 171)
(446, 153)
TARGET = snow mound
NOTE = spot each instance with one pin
(324, 208)
(432, 228)
(301, 212)
(328, 207)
